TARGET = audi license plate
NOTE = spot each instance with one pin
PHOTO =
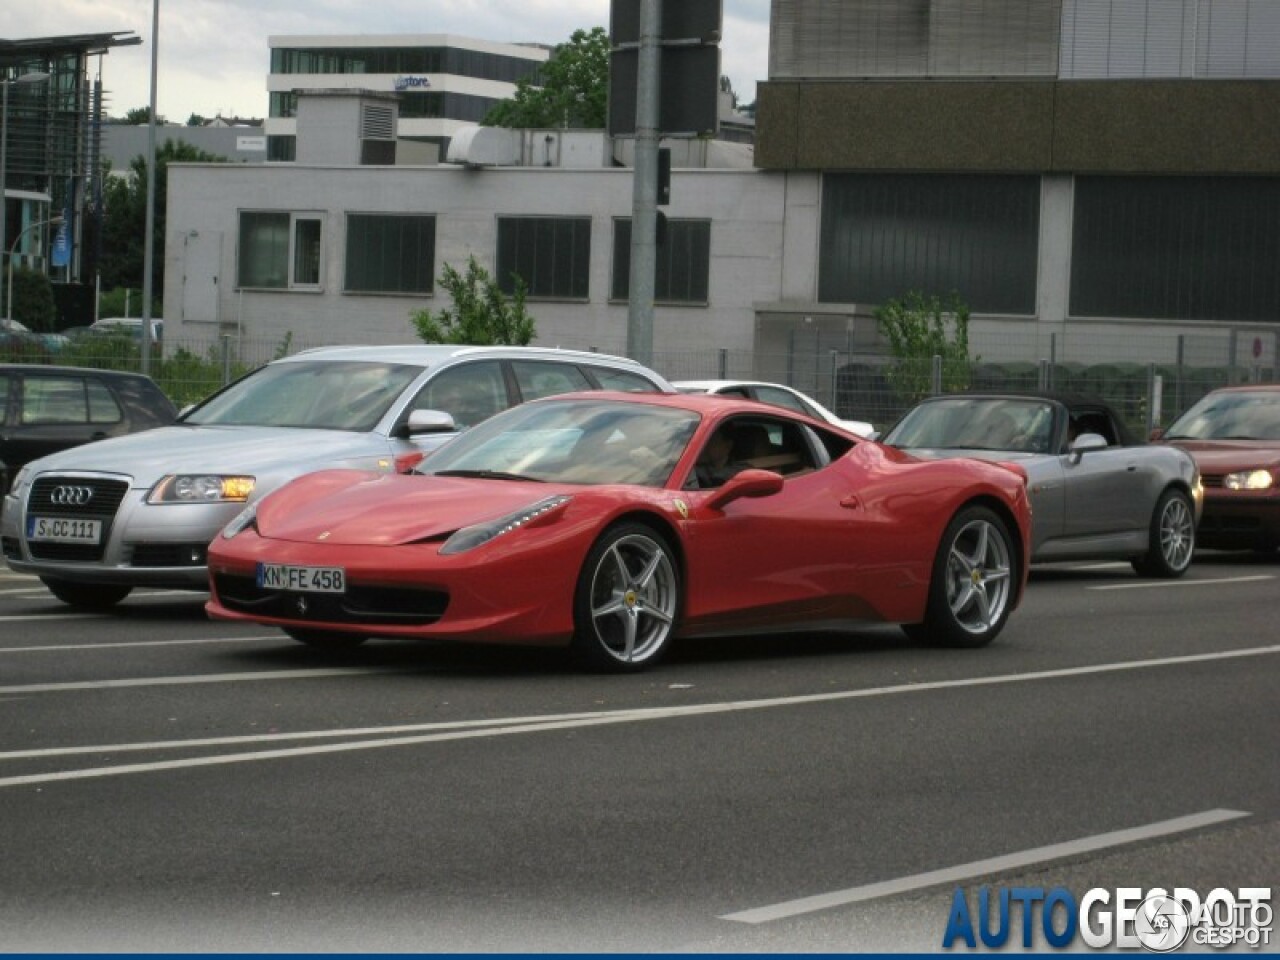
(63, 530)
(281, 576)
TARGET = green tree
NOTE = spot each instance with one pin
(195, 120)
(140, 116)
(124, 226)
(571, 91)
(919, 328)
(480, 315)
(33, 299)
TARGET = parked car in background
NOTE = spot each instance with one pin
(777, 394)
(45, 409)
(142, 509)
(588, 520)
(1097, 492)
(130, 325)
(1234, 436)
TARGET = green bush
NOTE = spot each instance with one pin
(919, 328)
(33, 299)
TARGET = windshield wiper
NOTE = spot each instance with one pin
(486, 475)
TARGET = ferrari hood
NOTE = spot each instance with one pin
(1215, 457)
(151, 454)
(379, 509)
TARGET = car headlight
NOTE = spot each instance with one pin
(201, 488)
(19, 481)
(243, 520)
(468, 538)
(1249, 480)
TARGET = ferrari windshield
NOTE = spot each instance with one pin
(571, 441)
(1234, 415)
(326, 395)
(1018, 425)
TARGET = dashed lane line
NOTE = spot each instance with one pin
(58, 648)
(981, 868)
(510, 726)
(1182, 582)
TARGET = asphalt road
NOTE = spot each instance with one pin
(171, 783)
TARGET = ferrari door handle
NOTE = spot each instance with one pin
(851, 502)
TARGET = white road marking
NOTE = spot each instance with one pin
(51, 616)
(1108, 565)
(303, 674)
(43, 593)
(509, 726)
(1182, 582)
(135, 643)
(979, 868)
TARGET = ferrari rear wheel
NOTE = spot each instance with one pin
(627, 599)
(87, 596)
(974, 574)
(326, 639)
(1173, 537)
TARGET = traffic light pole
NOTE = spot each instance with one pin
(644, 208)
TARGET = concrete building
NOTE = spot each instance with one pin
(1098, 179)
(445, 82)
(240, 143)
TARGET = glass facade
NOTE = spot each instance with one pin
(1177, 248)
(683, 270)
(884, 235)
(552, 255)
(389, 60)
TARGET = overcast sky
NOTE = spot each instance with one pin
(214, 56)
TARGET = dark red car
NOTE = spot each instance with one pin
(1234, 436)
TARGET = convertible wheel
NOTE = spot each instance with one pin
(89, 596)
(326, 639)
(971, 592)
(1173, 537)
(627, 600)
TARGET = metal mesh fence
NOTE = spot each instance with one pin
(1176, 370)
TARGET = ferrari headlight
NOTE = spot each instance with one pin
(1249, 480)
(468, 538)
(201, 488)
(245, 519)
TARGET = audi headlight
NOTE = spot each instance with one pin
(1249, 480)
(19, 481)
(245, 519)
(201, 488)
(468, 538)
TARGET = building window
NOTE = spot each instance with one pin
(390, 254)
(1176, 248)
(885, 235)
(552, 255)
(279, 250)
(683, 265)
(282, 149)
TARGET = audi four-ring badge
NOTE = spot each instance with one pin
(98, 520)
(65, 496)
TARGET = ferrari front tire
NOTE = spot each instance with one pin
(1172, 537)
(972, 588)
(326, 639)
(627, 600)
(87, 596)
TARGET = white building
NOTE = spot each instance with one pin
(445, 82)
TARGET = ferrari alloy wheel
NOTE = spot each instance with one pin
(326, 639)
(87, 596)
(974, 575)
(1173, 537)
(627, 600)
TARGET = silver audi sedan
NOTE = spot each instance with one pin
(1097, 492)
(98, 520)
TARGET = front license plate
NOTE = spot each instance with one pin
(63, 530)
(281, 576)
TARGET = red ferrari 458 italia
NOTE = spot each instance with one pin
(616, 522)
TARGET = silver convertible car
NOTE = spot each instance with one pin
(96, 521)
(1097, 493)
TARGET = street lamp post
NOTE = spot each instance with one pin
(13, 248)
(5, 84)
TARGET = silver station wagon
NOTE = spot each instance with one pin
(98, 520)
